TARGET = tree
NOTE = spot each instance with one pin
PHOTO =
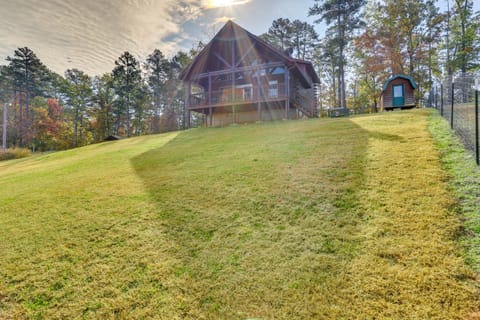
(141, 99)
(47, 125)
(370, 71)
(325, 57)
(401, 39)
(297, 36)
(344, 16)
(104, 98)
(158, 71)
(26, 70)
(280, 33)
(304, 39)
(78, 91)
(464, 42)
(126, 79)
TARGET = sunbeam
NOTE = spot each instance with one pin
(225, 3)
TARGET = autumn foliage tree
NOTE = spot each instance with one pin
(50, 131)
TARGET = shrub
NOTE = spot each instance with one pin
(15, 153)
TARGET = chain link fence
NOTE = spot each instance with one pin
(457, 101)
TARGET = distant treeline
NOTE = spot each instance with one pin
(48, 111)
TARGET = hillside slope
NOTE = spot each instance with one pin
(318, 219)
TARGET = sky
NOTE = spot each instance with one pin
(91, 34)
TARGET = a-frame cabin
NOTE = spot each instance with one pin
(240, 78)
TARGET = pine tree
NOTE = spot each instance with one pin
(78, 90)
(344, 16)
(158, 70)
(127, 79)
(26, 70)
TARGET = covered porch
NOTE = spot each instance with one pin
(241, 94)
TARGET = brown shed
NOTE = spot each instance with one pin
(398, 92)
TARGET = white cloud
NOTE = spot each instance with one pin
(91, 34)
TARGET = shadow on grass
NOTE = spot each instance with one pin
(386, 136)
(262, 219)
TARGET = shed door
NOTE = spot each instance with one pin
(398, 95)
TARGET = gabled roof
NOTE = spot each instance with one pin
(232, 31)
(401, 76)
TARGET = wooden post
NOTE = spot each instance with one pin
(209, 89)
(259, 104)
(233, 71)
(287, 92)
(186, 112)
(4, 128)
(210, 113)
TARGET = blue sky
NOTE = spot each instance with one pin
(91, 34)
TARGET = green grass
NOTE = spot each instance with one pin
(318, 219)
(464, 182)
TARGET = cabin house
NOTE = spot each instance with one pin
(398, 92)
(239, 78)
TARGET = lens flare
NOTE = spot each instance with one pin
(225, 3)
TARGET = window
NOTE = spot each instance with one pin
(225, 77)
(273, 89)
(247, 91)
(277, 70)
(398, 91)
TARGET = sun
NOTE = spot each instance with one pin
(225, 3)
(220, 3)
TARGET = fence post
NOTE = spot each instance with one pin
(441, 99)
(453, 100)
(477, 151)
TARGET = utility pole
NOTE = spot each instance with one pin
(4, 128)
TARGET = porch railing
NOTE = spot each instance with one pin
(238, 95)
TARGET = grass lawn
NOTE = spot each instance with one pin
(319, 219)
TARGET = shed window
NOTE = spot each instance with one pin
(398, 91)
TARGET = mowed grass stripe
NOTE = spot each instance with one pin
(286, 220)
(262, 217)
(411, 265)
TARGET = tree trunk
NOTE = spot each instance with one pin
(20, 133)
(334, 88)
(27, 107)
(463, 59)
(128, 115)
(75, 128)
